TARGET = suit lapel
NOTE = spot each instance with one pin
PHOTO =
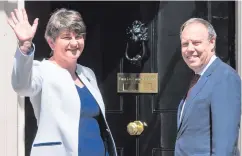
(194, 92)
(94, 91)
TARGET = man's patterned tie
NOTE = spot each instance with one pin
(193, 82)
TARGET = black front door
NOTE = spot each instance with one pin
(107, 24)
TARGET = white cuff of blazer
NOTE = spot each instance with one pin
(31, 50)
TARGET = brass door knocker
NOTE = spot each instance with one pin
(139, 35)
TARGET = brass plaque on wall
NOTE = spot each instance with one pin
(137, 82)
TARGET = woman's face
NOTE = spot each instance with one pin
(68, 46)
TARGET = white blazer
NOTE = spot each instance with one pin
(56, 103)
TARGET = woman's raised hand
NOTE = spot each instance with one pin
(22, 29)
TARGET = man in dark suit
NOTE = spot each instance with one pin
(209, 114)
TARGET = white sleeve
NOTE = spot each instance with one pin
(26, 74)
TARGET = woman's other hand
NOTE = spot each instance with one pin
(22, 29)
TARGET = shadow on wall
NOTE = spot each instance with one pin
(9, 6)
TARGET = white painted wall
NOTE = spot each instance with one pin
(238, 53)
(11, 114)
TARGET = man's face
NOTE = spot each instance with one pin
(196, 47)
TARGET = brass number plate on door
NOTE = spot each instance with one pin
(137, 83)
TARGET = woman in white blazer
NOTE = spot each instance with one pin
(65, 96)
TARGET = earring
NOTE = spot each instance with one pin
(51, 53)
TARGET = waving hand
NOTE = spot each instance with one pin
(22, 29)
